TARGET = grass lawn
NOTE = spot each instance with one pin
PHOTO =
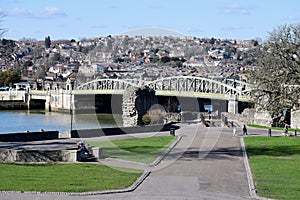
(272, 128)
(64, 177)
(275, 164)
(136, 149)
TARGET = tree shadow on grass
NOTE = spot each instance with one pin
(273, 151)
(214, 154)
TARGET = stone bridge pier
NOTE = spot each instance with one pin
(233, 104)
(59, 99)
(136, 103)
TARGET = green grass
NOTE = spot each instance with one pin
(136, 149)
(275, 166)
(64, 177)
(272, 128)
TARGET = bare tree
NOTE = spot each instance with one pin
(3, 51)
(2, 30)
(278, 75)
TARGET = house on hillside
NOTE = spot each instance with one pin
(94, 69)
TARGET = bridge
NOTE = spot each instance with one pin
(230, 90)
(179, 86)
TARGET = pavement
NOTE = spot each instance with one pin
(204, 163)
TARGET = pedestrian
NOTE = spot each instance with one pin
(209, 114)
(245, 131)
(217, 113)
(234, 131)
(286, 130)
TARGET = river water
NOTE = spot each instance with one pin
(21, 121)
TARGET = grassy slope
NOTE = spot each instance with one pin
(137, 149)
(275, 165)
(64, 177)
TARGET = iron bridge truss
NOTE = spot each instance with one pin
(174, 84)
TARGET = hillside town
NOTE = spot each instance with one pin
(125, 57)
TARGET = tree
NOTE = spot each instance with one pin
(278, 76)
(4, 54)
(47, 42)
(212, 41)
(2, 30)
(7, 78)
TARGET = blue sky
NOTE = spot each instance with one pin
(76, 19)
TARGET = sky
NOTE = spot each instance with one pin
(78, 19)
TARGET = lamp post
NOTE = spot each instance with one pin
(71, 112)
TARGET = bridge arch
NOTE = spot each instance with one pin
(200, 84)
(175, 83)
(108, 84)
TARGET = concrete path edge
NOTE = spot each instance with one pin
(251, 185)
(128, 189)
(161, 157)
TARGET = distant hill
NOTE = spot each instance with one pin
(152, 31)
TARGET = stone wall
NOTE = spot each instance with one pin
(295, 119)
(11, 155)
(130, 116)
(13, 105)
(262, 118)
(29, 136)
(136, 103)
(88, 133)
(251, 116)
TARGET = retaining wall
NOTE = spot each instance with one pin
(29, 136)
(11, 155)
(87, 133)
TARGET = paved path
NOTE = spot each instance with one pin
(207, 163)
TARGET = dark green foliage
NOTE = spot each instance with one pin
(47, 42)
(9, 77)
(28, 63)
(212, 41)
(146, 119)
(165, 59)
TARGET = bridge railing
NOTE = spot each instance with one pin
(184, 84)
(198, 84)
(12, 95)
(107, 84)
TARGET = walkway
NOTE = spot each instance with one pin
(207, 163)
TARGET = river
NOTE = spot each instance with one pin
(21, 121)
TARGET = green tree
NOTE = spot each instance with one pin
(278, 76)
(165, 59)
(212, 41)
(47, 42)
(8, 78)
(28, 63)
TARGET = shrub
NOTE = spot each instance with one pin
(146, 119)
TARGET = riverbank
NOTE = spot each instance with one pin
(13, 105)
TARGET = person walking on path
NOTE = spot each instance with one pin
(245, 131)
(234, 131)
(286, 130)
